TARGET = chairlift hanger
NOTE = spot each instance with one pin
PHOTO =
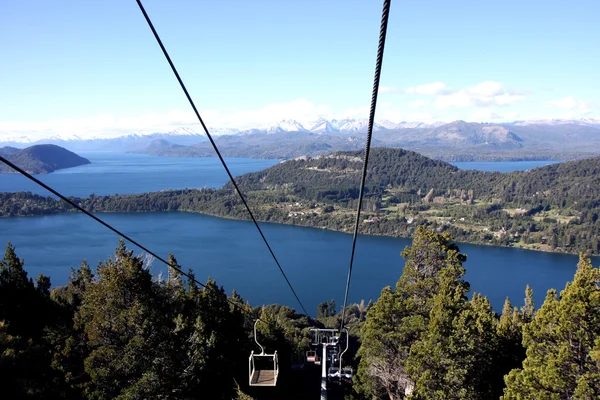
(263, 368)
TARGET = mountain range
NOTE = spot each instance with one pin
(458, 140)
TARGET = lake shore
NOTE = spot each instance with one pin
(349, 229)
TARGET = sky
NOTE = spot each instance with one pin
(94, 68)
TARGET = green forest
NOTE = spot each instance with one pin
(551, 208)
(116, 331)
(40, 159)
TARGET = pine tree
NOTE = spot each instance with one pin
(454, 358)
(399, 318)
(123, 325)
(332, 308)
(68, 341)
(16, 292)
(323, 310)
(563, 343)
(529, 306)
(25, 313)
(511, 352)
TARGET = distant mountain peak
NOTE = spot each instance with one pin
(182, 131)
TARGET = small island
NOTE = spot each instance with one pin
(40, 159)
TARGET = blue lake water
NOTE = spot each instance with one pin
(231, 251)
(112, 173)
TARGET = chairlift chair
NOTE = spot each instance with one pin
(311, 356)
(347, 373)
(333, 372)
(263, 368)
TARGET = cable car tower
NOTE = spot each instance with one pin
(328, 339)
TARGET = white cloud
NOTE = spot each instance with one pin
(420, 117)
(570, 103)
(390, 89)
(485, 115)
(301, 110)
(434, 88)
(458, 99)
(571, 108)
(479, 102)
(486, 89)
(107, 126)
(418, 103)
(101, 126)
(359, 112)
(485, 94)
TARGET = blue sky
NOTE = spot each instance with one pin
(93, 67)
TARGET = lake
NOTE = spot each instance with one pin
(118, 173)
(231, 252)
(315, 260)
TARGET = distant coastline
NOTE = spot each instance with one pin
(553, 208)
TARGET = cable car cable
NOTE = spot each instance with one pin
(379, 62)
(107, 225)
(214, 145)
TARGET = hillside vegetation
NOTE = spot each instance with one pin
(40, 159)
(117, 332)
(552, 208)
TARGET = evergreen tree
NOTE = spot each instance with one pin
(68, 340)
(332, 308)
(454, 359)
(25, 311)
(399, 318)
(119, 334)
(121, 318)
(529, 306)
(563, 344)
(511, 352)
(323, 310)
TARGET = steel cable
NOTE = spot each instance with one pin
(106, 224)
(214, 145)
(378, 64)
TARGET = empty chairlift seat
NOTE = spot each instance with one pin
(334, 372)
(311, 356)
(347, 373)
(264, 369)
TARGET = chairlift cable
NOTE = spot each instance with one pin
(214, 145)
(107, 225)
(379, 62)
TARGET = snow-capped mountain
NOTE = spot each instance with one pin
(186, 135)
(182, 132)
(358, 125)
(290, 125)
(324, 126)
(343, 126)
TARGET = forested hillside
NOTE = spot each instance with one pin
(40, 159)
(552, 208)
(114, 331)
